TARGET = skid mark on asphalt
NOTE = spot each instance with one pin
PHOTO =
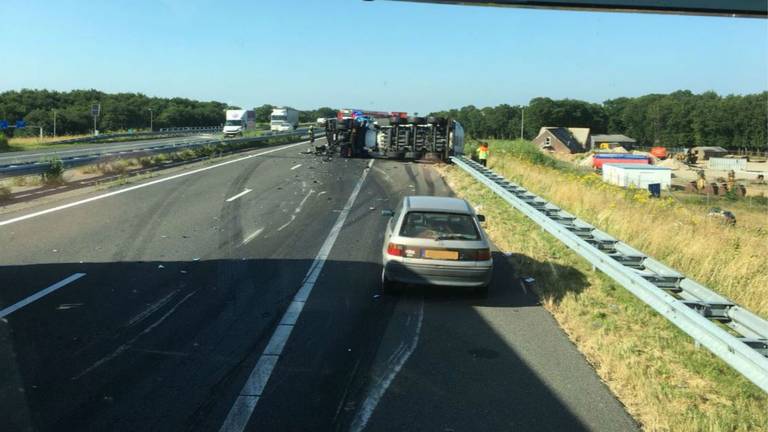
(296, 211)
(141, 316)
(390, 368)
(124, 347)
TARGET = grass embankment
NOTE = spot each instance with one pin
(656, 371)
(730, 260)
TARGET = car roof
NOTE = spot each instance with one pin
(433, 203)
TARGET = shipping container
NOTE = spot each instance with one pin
(640, 176)
(598, 159)
(727, 164)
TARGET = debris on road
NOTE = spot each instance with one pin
(160, 266)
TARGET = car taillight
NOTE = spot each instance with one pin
(483, 254)
(395, 249)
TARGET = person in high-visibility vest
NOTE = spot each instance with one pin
(312, 139)
(482, 153)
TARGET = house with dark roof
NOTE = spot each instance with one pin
(563, 139)
(612, 141)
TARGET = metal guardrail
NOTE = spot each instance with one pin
(38, 167)
(709, 318)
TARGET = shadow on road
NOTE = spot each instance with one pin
(167, 346)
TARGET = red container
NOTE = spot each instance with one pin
(659, 152)
(598, 162)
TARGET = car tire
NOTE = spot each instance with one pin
(388, 286)
(482, 291)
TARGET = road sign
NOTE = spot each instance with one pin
(21, 124)
(95, 110)
(3, 124)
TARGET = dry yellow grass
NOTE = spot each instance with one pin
(36, 141)
(665, 382)
(732, 261)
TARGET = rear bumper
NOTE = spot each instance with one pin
(435, 274)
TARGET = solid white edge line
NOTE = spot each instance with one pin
(143, 185)
(40, 294)
(238, 195)
(245, 404)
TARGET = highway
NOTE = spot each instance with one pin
(244, 295)
(114, 148)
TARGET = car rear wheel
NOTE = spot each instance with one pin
(388, 286)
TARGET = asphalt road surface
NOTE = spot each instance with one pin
(244, 295)
(113, 148)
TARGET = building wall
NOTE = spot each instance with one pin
(556, 144)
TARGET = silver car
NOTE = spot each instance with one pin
(436, 241)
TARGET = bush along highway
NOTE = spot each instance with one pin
(658, 372)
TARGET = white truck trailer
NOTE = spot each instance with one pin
(284, 120)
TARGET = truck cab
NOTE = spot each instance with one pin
(237, 122)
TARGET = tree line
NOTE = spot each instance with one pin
(679, 119)
(120, 111)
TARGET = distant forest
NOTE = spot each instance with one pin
(119, 111)
(679, 119)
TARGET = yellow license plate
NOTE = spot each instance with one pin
(441, 254)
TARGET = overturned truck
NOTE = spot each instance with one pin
(394, 135)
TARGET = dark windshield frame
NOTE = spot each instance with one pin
(462, 228)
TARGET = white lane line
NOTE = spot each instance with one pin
(295, 166)
(238, 195)
(378, 388)
(40, 294)
(143, 185)
(124, 347)
(241, 410)
(252, 236)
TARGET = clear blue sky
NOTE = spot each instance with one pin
(378, 55)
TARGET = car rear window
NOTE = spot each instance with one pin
(441, 226)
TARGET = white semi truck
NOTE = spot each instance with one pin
(239, 121)
(284, 120)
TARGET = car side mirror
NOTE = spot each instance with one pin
(481, 218)
(387, 213)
